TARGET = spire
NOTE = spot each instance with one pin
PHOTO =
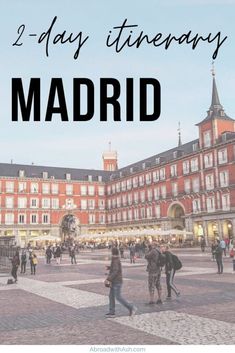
(215, 102)
(179, 133)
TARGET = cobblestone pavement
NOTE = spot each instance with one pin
(66, 304)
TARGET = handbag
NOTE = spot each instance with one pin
(107, 283)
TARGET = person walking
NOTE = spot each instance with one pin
(15, 264)
(154, 273)
(170, 272)
(58, 253)
(31, 260)
(73, 255)
(132, 253)
(213, 248)
(223, 246)
(219, 257)
(34, 262)
(49, 254)
(115, 279)
(203, 244)
(23, 261)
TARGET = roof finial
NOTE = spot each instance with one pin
(213, 68)
(179, 133)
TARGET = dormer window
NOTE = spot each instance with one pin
(45, 175)
(207, 138)
(21, 173)
(89, 177)
(68, 176)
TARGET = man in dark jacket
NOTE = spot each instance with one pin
(219, 257)
(115, 278)
(170, 272)
(154, 273)
(15, 264)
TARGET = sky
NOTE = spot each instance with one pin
(184, 75)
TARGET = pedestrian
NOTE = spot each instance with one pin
(232, 255)
(213, 248)
(73, 255)
(31, 260)
(15, 264)
(170, 272)
(23, 261)
(203, 244)
(49, 253)
(154, 273)
(219, 257)
(57, 255)
(34, 262)
(132, 253)
(223, 246)
(115, 280)
(121, 249)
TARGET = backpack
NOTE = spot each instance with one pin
(161, 259)
(177, 264)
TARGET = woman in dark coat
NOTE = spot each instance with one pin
(115, 279)
(15, 264)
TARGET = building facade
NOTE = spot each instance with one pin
(191, 187)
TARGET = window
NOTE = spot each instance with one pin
(156, 193)
(34, 203)
(149, 212)
(129, 199)
(83, 204)
(209, 182)
(55, 203)
(148, 178)
(22, 202)
(129, 215)
(194, 165)
(195, 146)
(174, 189)
(9, 186)
(173, 170)
(101, 218)
(68, 176)
(54, 189)
(100, 178)
(21, 173)
(136, 197)
(136, 213)
(185, 167)
(210, 203)
(225, 202)
(124, 200)
(45, 218)
(142, 212)
(150, 194)
(222, 156)
(90, 178)
(109, 190)
(9, 202)
(196, 205)
(91, 190)
(101, 204)
(208, 160)
(118, 187)
(91, 204)
(142, 196)
(113, 189)
(187, 186)
(162, 174)
(196, 185)
(34, 188)
(109, 218)
(163, 191)
(45, 188)
(45, 175)
(22, 187)
(156, 176)
(157, 211)
(9, 218)
(114, 217)
(69, 189)
(207, 139)
(129, 182)
(135, 182)
(21, 218)
(141, 180)
(124, 215)
(101, 190)
(83, 190)
(45, 203)
(109, 204)
(123, 185)
(223, 178)
(33, 218)
(113, 202)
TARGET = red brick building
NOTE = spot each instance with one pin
(191, 186)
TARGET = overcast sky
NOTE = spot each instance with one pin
(184, 75)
